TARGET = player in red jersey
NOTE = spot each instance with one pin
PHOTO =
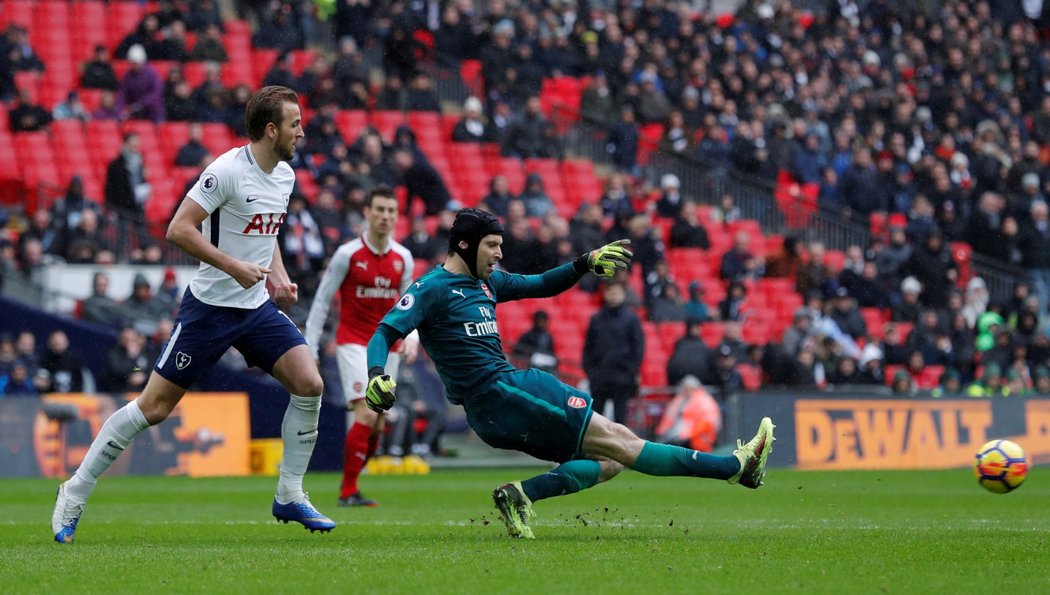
(369, 274)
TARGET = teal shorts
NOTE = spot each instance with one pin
(532, 412)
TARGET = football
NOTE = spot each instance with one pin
(1000, 466)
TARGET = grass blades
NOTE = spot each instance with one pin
(810, 532)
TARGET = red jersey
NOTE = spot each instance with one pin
(369, 283)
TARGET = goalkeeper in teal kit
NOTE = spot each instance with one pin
(454, 309)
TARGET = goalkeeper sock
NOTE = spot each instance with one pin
(299, 432)
(355, 453)
(567, 478)
(113, 438)
(667, 459)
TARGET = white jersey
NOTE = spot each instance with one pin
(247, 207)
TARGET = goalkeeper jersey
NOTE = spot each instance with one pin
(456, 318)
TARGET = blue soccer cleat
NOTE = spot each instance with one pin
(65, 517)
(304, 513)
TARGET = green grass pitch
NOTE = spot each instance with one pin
(805, 532)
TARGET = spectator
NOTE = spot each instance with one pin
(27, 116)
(127, 363)
(1035, 248)
(786, 262)
(731, 308)
(146, 35)
(982, 230)
(172, 45)
(596, 102)
(907, 310)
(71, 109)
(653, 105)
(143, 310)
(67, 210)
(302, 245)
(845, 314)
(889, 262)
(670, 202)
(471, 128)
(209, 47)
(98, 73)
(282, 72)
(858, 187)
(870, 363)
(622, 141)
(932, 264)
(64, 367)
(696, 308)
(537, 203)
(809, 161)
(668, 306)
(721, 373)
(421, 180)
(726, 211)
(420, 244)
(8, 353)
(866, 288)
(86, 242)
(801, 327)
(421, 96)
(141, 92)
(498, 198)
(126, 187)
(43, 229)
(18, 381)
(902, 385)
(20, 56)
(738, 263)
(690, 354)
(277, 31)
(612, 352)
(99, 307)
(687, 231)
(845, 372)
(676, 139)
(535, 347)
(525, 135)
(178, 102)
(193, 153)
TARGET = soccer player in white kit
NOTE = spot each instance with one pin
(369, 274)
(239, 202)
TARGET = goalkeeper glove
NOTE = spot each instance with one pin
(379, 396)
(605, 261)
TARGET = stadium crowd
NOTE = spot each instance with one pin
(931, 117)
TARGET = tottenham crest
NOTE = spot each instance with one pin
(182, 360)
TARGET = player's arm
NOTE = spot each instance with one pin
(379, 395)
(410, 344)
(331, 279)
(604, 262)
(285, 293)
(183, 233)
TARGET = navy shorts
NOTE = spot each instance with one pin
(532, 412)
(203, 333)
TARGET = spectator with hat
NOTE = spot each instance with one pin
(141, 92)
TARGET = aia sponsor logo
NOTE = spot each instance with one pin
(265, 224)
(577, 402)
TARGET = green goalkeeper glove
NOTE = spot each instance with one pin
(379, 396)
(605, 261)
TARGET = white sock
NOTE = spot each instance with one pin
(299, 432)
(113, 438)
